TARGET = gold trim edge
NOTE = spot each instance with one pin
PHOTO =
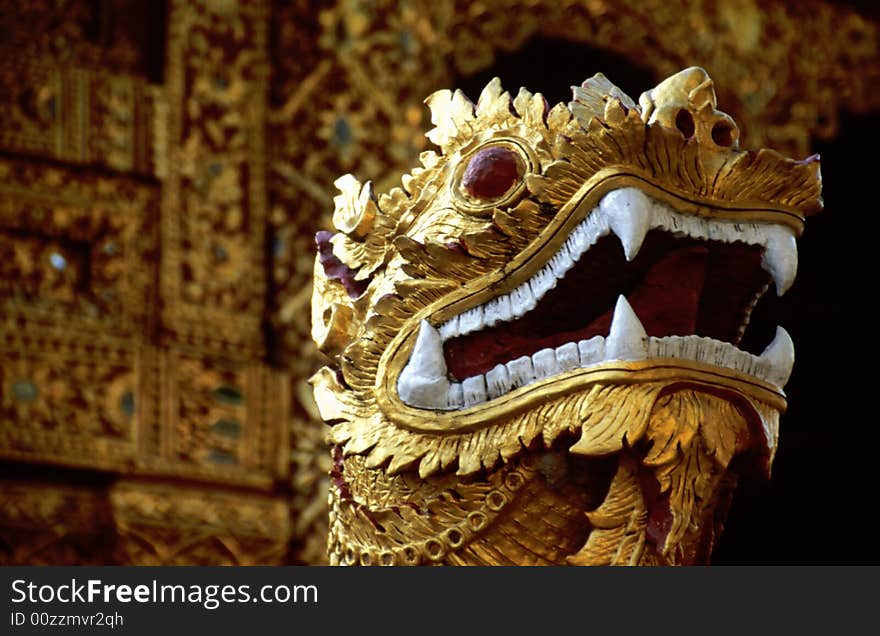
(671, 370)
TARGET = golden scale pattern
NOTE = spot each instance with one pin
(124, 188)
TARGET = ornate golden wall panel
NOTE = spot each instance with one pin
(213, 280)
(169, 525)
(132, 230)
(86, 259)
(79, 281)
(76, 115)
(53, 524)
(217, 419)
(163, 169)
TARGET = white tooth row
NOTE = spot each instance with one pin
(525, 297)
(524, 370)
(585, 353)
(424, 383)
(629, 214)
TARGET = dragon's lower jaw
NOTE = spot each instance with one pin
(680, 291)
(661, 501)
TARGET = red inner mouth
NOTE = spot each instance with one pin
(677, 286)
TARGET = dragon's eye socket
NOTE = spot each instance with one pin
(491, 172)
(491, 176)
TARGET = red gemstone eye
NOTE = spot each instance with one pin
(491, 172)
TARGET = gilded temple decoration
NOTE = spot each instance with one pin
(163, 169)
(541, 363)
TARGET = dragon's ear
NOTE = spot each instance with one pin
(452, 115)
(590, 98)
(355, 207)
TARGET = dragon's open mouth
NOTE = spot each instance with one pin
(635, 280)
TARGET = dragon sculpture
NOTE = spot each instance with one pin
(531, 347)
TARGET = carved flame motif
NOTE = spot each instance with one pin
(539, 362)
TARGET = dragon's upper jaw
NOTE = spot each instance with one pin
(682, 289)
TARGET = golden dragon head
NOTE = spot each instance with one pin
(532, 345)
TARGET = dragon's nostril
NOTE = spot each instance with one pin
(722, 134)
(684, 121)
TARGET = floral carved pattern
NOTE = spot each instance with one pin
(212, 267)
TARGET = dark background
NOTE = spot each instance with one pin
(818, 508)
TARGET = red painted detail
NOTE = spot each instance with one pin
(491, 173)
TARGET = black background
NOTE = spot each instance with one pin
(818, 508)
